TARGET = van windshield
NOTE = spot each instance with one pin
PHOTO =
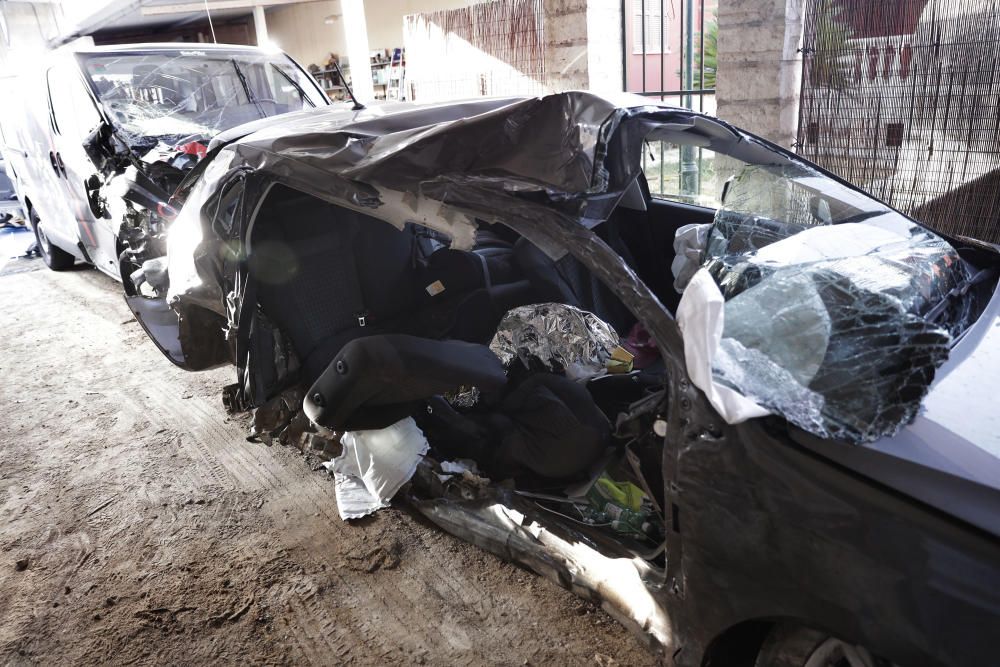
(194, 95)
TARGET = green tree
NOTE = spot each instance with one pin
(711, 51)
(830, 57)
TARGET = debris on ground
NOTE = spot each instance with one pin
(374, 465)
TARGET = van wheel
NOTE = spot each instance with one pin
(796, 646)
(55, 258)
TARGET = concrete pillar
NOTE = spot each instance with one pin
(759, 74)
(27, 29)
(356, 37)
(604, 55)
(260, 25)
(583, 48)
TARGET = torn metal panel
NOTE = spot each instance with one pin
(624, 587)
(444, 173)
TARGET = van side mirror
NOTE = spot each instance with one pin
(95, 198)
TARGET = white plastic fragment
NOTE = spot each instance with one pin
(700, 316)
(374, 465)
(689, 245)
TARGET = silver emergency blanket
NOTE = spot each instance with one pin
(557, 336)
(837, 327)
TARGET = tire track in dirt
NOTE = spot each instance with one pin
(175, 540)
(203, 427)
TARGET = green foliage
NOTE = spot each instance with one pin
(711, 51)
(831, 54)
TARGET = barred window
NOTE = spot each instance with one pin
(655, 32)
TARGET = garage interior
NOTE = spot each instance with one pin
(156, 515)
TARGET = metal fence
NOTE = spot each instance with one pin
(903, 99)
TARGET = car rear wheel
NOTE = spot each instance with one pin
(796, 646)
(55, 258)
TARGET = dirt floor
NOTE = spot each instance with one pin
(137, 524)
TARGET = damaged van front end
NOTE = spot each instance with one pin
(489, 283)
(124, 126)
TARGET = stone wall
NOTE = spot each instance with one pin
(574, 45)
(583, 45)
(759, 66)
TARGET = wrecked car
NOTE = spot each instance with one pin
(757, 433)
(122, 126)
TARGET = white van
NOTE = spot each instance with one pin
(113, 130)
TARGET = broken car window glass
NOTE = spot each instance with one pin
(838, 309)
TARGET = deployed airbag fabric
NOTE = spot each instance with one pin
(701, 319)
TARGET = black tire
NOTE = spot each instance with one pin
(797, 646)
(55, 258)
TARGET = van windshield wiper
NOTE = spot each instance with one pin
(302, 93)
(246, 88)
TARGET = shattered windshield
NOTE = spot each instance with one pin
(193, 94)
(838, 310)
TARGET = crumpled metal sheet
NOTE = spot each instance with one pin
(550, 168)
(560, 337)
(540, 165)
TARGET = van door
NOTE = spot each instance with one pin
(28, 131)
(74, 115)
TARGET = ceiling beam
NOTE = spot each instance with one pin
(188, 7)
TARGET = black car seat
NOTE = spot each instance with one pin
(327, 275)
(569, 281)
(543, 426)
(374, 381)
(546, 426)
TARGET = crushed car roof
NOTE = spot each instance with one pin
(553, 149)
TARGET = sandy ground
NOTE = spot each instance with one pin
(137, 524)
